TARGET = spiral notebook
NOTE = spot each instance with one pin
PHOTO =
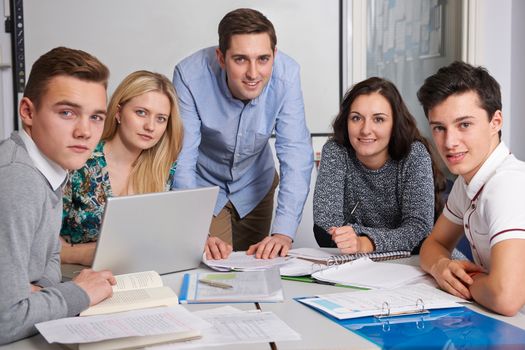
(332, 258)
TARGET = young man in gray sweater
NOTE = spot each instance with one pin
(63, 112)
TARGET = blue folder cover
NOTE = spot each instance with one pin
(457, 328)
(183, 295)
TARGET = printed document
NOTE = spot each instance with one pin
(233, 326)
(239, 261)
(71, 330)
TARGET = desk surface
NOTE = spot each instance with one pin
(317, 331)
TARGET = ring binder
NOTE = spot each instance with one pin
(375, 256)
(386, 312)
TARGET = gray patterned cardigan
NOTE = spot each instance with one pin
(396, 202)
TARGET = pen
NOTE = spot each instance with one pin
(216, 284)
(355, 207)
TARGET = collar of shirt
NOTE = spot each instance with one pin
(487, 170)
(54, 173)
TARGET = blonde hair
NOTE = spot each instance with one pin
(150, 171)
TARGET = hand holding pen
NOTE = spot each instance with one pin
(347, 239)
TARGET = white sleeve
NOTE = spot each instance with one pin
(455, 205)
(505, 206)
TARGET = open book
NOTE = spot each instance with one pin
(135, 291)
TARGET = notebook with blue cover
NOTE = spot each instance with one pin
(459, 328)
(454, 328)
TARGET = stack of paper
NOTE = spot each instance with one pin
(233, 326)
(239, 261)
(124, 330)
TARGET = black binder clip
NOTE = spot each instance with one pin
(386, 312)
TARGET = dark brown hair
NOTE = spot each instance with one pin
(457, 78)
(244, 21)
(62, 61)
(404, 129)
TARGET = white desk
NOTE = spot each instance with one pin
(317, 331)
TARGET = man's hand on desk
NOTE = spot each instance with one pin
(454, 277)
(271, 246)
(217, 249)
(97, 285)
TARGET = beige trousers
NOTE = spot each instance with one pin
(253, 228)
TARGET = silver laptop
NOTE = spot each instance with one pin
(165, 231)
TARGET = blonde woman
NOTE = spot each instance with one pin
(141, 140)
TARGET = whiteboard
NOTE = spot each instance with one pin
(129, 35)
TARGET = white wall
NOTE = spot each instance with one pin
(503, 53)
(128, 35)
(517, 93)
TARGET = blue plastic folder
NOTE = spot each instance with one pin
(241, 287)
(456, 328)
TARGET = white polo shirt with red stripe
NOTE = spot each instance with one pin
(491, 207)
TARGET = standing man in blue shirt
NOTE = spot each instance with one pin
(232, 98)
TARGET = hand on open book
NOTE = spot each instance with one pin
(271, 246)
(97, 285)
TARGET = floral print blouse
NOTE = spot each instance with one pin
(85, 198)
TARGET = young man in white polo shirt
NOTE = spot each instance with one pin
(487, 201)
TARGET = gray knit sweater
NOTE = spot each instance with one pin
(30, 219)
(396, 202)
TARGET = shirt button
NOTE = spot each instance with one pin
(473, 206)
(466, 226)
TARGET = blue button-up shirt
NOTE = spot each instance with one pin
(226, 140)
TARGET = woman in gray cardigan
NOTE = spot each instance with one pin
(378, 187)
